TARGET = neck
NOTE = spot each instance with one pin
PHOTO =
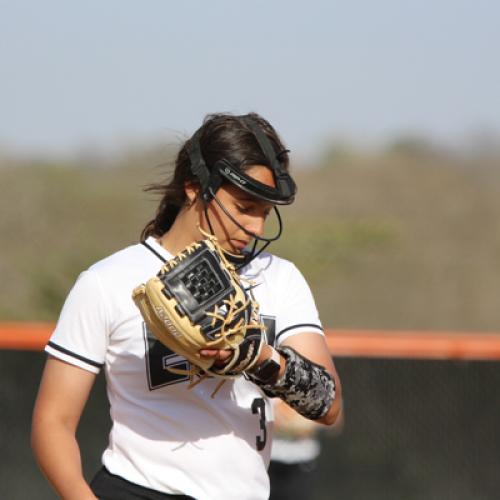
(183, 232)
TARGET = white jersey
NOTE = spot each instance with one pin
(164, 436)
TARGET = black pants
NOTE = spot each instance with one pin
(107, 486)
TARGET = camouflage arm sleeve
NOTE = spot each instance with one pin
(305, 386)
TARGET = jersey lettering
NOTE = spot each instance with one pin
(270, 324)
(159, 359)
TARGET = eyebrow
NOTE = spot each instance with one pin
(249, 198)
(243, 196)
(253, 199)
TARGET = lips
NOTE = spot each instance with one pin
(239, 244)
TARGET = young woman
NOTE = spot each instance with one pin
(168, 441)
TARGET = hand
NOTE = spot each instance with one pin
(220, 355)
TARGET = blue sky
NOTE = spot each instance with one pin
(105, 73)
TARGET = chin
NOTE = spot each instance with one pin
(234, 251)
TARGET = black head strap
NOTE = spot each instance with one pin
(198, 166)
(210, 181)
(285, 185)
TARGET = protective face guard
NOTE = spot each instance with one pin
(210, 181)
(244, 258)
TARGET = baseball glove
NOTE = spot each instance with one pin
(197, 301)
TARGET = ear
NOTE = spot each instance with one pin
(192, 191)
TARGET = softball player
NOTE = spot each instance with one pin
(167, 441)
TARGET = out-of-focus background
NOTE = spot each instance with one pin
(391, 110)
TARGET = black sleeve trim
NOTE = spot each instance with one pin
(74, 355)
(300, 325)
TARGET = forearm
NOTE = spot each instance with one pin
(307, 387)
(56, 449)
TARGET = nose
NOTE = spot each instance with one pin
(256, 225)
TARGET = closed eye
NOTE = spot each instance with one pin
(243, 209)
(253, 210)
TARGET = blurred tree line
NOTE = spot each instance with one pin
(406, 237)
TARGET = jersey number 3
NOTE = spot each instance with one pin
(259, 408)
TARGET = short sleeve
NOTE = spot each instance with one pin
(81, 334)
(298, 311)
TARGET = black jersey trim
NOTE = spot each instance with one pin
(149, 247)
(300, 325)
(74, 355)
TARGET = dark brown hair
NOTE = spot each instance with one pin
(223, 136)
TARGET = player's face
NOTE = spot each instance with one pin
(250, 212)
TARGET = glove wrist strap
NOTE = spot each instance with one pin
(268, 371)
